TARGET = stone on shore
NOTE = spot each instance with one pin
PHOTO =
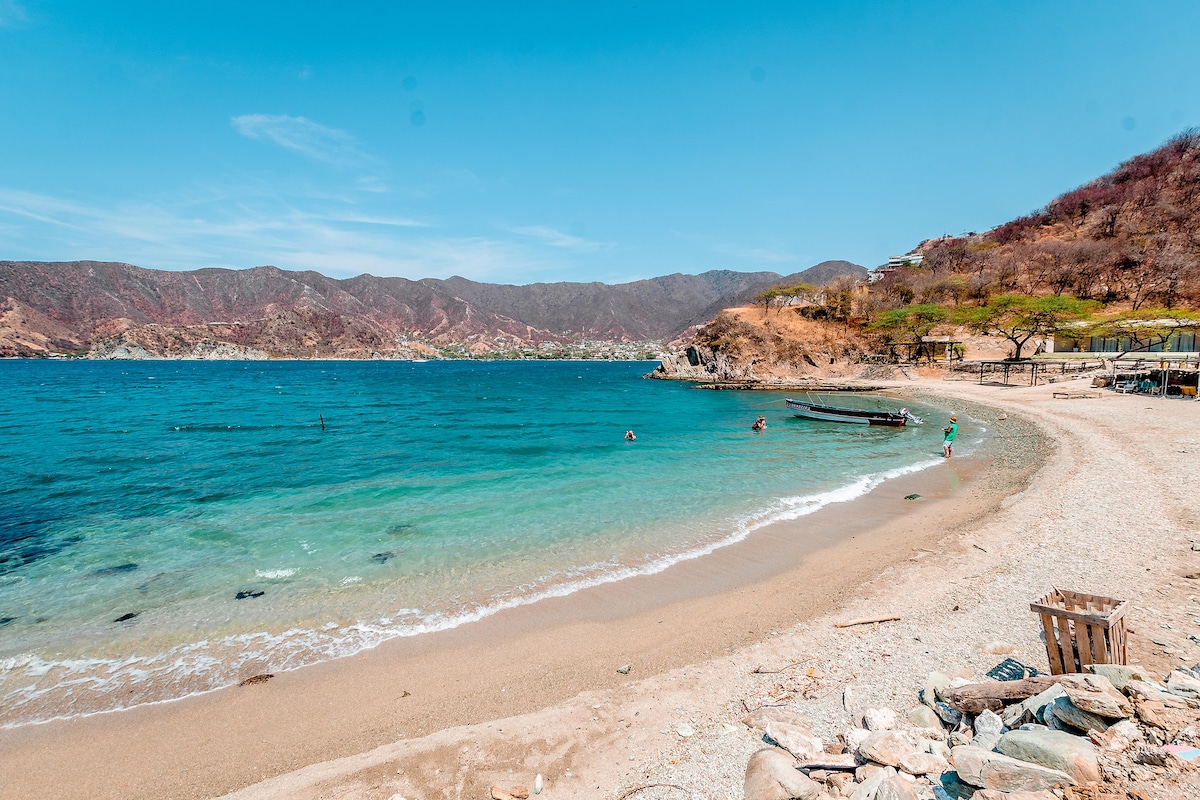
(895, 788)
(1119, 674)
(923, 716)
(886, 747)
(1118, 738)
(1055, 750)
(796, 739)
(988, 722)
(924, 764)
(1076, 717)
(1145, 692)
(1031, 709)
(1183, 684)
(935, 684)
(992, 794)
(1096, 694)
(868, 788)
(772, 775)
(988, 770)
(879, 719)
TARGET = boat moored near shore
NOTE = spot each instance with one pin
(811, 410)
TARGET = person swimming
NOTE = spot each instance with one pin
(629, 436)
(760, 424)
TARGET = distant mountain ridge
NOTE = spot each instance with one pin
(72, 306)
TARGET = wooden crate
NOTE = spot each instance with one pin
(1081, 629)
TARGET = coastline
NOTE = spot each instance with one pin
(760, 601)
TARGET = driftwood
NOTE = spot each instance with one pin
(975, 697)
(867, 620)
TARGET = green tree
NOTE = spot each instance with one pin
(1019, 318)
(784, 295)
(1145, 328)
(909, 323)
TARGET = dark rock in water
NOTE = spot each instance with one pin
(400, 530)
(247, 593)
(382, 558)
(127, 617)
(117, 570)
(263, 678)
(5, 620)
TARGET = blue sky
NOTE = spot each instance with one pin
(521, 142)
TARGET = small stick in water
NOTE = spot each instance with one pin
(322, 416)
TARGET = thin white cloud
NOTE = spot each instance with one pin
(12, 15)
(241, 228)
(556, 238)
(301, 135)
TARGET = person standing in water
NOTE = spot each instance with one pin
(950, 431)
(760, 424)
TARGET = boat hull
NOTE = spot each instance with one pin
(850, 415)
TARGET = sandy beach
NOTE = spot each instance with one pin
(1086, 494)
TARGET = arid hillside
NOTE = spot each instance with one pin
(1116, 258)
(120, 310)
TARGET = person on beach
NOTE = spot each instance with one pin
(629, 437)
(760, 424)
(950, 432)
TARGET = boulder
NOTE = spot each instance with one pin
(988, 722)
(1118, 738)
(771, 775)
(886, 747)
(796, 739)
(867, 789)
(1184, 684)
(923, 764)
(1030, 709)
(880, 719)
(895, 788)
(988, 770)
(986, 741)
(925, 717)
(950, 716)
(1055, 750)
(855, 737)
(1096, 694)
(1119, 674)
(1146, 692)
(1076, 717)
(935, 684)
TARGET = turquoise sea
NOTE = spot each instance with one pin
(170, 527)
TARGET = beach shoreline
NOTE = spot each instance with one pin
(389, 713)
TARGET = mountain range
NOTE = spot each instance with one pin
(109, 309)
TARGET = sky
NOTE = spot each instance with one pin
(515, 142)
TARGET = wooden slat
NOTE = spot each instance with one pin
(1068, 647)
(1099, 643)
(1052, 651)
(1075, 615)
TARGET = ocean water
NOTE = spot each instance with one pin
(168, 528)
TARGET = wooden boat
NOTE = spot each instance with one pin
(810, 410)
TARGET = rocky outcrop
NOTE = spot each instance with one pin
(701, 363)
